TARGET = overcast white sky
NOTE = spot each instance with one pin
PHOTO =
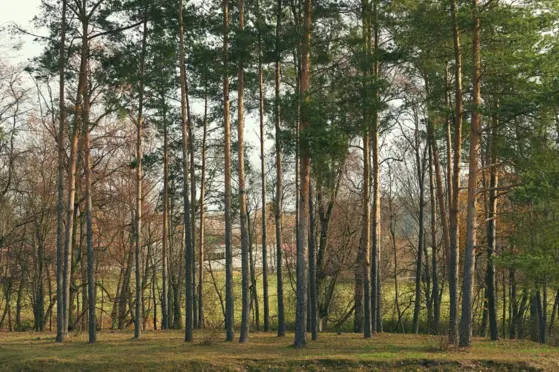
(21, 12)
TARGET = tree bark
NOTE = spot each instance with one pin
(139, 196)
(420, 164)
(254, 305)
(165, 235)
(455, 205)
(363, 272)
(513, 304)
(376, 313)
(448, 145)
(279, 176)
(302, 223)
(229, 299)
(491, 234)
(71, 210)
(263, 178)
(542, 313)
(434, 247)
(313, 300)
(60, 187)
(245, 266)
(88, 197)
(553, 314)
(471, 218)
(186, 197)
(202, 215)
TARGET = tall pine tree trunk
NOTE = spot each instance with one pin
(362, 270)
(455, 193)
(91, 289)
(245, 309)
(192, 202)
(139, 197)
(491, 234)
(165, 235)
(186, 197)
(60, 187)
(71, 211)
(229, 299)
(440, 192)
(420, 164)
(302, 222)
(448, 141)
(437, 179)
(313, 300)
(365, 249)
(435, 290)
(202, 214)
(376, 312)
(279, 176)
(471, 218)
(263, 178)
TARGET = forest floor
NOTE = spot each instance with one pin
(166, 351)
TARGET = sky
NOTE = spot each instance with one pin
(21, 12)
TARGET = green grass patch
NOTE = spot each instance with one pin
(166, 351)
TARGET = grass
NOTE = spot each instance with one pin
(166, 351)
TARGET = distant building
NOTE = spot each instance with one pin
(214, 256)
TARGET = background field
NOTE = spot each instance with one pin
(166, 351)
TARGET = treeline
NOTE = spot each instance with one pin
(400, 162)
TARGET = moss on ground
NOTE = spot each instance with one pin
(166, 351)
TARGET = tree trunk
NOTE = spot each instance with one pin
(139, 196)
(20, 298)
(91, 289)
(440, 192)
(124, 293)
(192, 262)
(71, 210)
(192, 211)
(202, 215)
(279, 177)
(165, 236)
(392, 230)
(154, 291)
(263, 178)
(505, 304)
(186, 197)
(82, 316)
(542, 313)
(362, 270)
(448, 140)
(313, 300)
(491, 235)
(553, 314)
(362, 296)
(534, 319)
(376, 313)
(60, 187)
(434, 161)
(471, 218)
(302, 223)
(254, 304)
(420, 163)
(229, 300)
(455, 206)
(245, 309)
(435, 290)
(519, 317)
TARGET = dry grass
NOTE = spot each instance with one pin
(166, 351)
